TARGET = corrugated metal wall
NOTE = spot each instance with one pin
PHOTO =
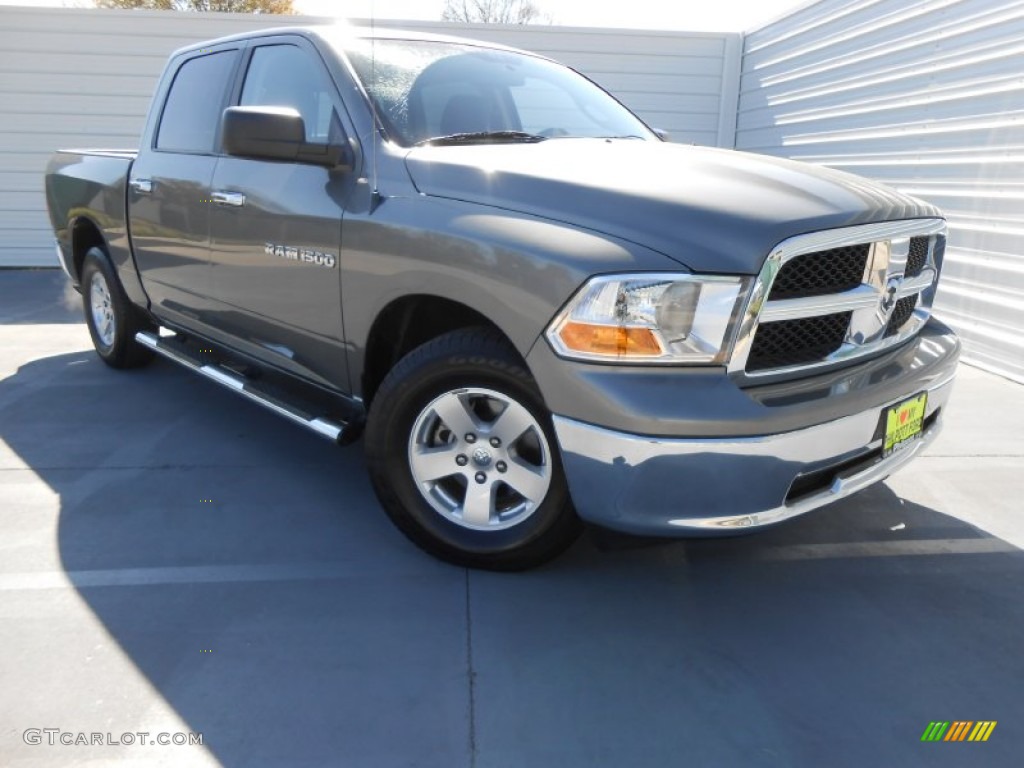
(928, 97)
(74, 78)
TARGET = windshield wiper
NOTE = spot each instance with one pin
(483, 137)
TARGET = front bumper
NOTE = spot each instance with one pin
(677, 486)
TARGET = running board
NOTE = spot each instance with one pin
(171, 349)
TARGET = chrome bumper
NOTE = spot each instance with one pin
(668, 486)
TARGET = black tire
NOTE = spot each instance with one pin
(469, 360)
(115, 343)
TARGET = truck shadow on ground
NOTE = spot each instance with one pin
(191, 520)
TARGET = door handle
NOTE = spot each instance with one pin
(236, 199)
(142, 186)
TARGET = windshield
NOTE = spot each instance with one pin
(428, 90)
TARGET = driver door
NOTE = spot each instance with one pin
(275, 227)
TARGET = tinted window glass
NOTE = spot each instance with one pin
(287, 76)
(545, 108)
(190, 118)
(422, 90)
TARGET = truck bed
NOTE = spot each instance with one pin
(91, 183)
(126, 154)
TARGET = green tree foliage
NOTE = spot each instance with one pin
(233, 6)
(491, 11)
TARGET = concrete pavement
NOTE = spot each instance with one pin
(174, 559)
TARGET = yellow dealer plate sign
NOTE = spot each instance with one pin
(903, 423)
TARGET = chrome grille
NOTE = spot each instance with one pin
(816, 274)
(903, 311)
(918, 255)
(790, 342)
(828, 297)
(939, 249)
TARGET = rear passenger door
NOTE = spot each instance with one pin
(169, 186)
(276, 234)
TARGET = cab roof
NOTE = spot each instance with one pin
(332, 33)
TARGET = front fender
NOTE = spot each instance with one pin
(516, 269)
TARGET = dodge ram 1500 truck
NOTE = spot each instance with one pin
(537, 310)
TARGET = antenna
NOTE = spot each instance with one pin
(375, 135)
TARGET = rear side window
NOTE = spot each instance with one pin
(192, 111)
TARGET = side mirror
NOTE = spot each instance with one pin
(662, 134)
(276, 133)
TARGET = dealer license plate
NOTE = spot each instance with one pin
(903, 423)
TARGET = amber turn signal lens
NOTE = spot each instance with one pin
(610, 340)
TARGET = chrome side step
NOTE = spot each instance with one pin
(172, 350)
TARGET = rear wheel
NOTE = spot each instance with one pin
(463, 458)
(112, 319)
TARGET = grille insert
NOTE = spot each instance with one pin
(816, 274)
(794, 342)
(902, 312)
(918, 256)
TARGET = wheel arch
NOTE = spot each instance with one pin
(408, 322)
(85, 234)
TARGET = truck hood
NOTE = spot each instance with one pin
(712, 210)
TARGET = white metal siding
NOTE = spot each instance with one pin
(77, 78)
(84, 78)
(927, 97)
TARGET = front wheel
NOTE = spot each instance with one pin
(463, 458)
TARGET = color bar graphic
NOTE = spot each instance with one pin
(982, 730)
(958, 730)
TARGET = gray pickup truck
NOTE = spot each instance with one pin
(537, 310)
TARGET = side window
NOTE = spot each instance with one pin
(192, 111)
(286, 76)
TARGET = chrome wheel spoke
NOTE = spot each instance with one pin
(434, 463)
(528, 481)
(478, 504)
(512, 423)
(454, 412)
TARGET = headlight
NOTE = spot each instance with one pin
(658, 318)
